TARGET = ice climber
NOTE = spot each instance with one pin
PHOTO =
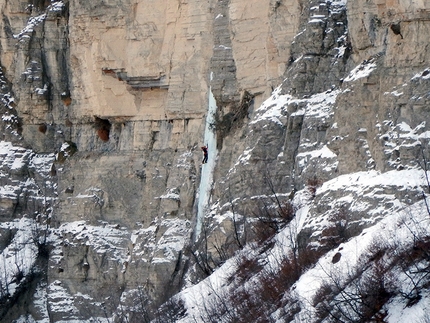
(205, 154)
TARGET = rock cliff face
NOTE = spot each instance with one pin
(105, 105)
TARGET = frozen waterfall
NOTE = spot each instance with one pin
(206, 180)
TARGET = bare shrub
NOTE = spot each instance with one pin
(203, 262)
(272, 214)
(286, 212)
(202, 257)
(414, 262)
(247, 267)
(246, 308)
(420, 249)
(359, 297)
(264, 230)
(337, 232)
(375, 289)
(308, 257)
(217, 305)
(271, 220)
(171, 311)
(321, 301)
(270, 293)
(312, 185)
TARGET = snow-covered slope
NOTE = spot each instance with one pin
(387, 263)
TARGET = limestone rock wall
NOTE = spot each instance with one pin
(118, 91)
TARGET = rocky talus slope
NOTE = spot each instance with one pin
(312, 207)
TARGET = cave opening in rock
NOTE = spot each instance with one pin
(103, 127)
(396, 29)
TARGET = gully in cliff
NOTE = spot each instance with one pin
(205, 154)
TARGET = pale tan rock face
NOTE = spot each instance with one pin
(146, 64)
(170, 46)
(262, 32)
(126, 60)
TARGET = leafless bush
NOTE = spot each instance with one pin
(414, 262)
(217, 306)
(272, 219)
(308, 257)
(337, 232)
(202, 257)
(361, 294)
(238, 234)
(246, 268)
(264, 230)
(312, 185)
(171, 311)
(257, 302)
(217, 246)
(412, 259)
(227, 243)
(272, 289)
(375, 289)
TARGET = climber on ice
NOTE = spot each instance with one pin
(205, 154)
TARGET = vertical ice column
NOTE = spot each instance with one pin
(206, 180)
